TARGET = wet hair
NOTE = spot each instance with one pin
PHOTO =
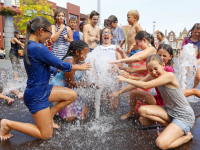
(143, 34)
(81, 26)
(196, 26)
(75, 46)
(32, 27)
(56, 13)
(112, 18)
(154, 57)
(161, 34)
(169, 49)
(16, 32)
(93, 13)
(134, 13)
(73, 18)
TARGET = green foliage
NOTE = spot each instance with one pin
(31, 9)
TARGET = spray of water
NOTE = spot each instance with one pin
(187, 66)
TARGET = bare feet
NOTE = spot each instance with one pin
(189, 135)
(55, 126)
(10, 100)
(123, 117)
(4, 133)
(20, 95)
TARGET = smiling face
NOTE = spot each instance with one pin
(60, 17)
(164, 55)
(106, 37)
(159, 37)
(44, 34)
(82, 55)
(155, 69)
(196, 33)
(18, 35)
(94, 20)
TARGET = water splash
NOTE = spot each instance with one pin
(187, 66)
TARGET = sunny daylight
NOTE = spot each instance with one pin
(99, 74)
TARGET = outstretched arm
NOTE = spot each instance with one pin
(135, 58)
(162, 80)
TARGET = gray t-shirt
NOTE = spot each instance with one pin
(118, 35)
(165, 41)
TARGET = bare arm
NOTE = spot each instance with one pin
(85, 34)
(134, 70)
(70, 35)
(121, 43)
(135, 58)
(18, 42)
(162, 80)
(55, 35)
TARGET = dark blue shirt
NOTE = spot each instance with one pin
(76, 36)
(38, 89)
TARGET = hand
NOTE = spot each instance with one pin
(119, 50)
(113, 95)
(120, 78)
(92, 39)
(124, 73)
(128, 69)
(62, 27)
(114, 62)
(65, 37)
(85, 66)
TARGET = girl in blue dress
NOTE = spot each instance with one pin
(38, 93)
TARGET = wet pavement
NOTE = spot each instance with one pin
(107, 133)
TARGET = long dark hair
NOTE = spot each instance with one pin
(32, 26)
(143, 34)
(75, 46)
(169, 49)
(196, 26)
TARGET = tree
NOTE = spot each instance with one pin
(31, 9)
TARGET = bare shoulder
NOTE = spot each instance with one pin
(70, 60)
(86, 26)
(138, 27)
(152, 49)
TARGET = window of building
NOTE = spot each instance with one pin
(173, 44)
(171, 38)
(184, 35)
(171, 33)
(2, 1)
(71, 15)
(13, 3)
(180, 44)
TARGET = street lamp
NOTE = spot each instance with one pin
(154, 28)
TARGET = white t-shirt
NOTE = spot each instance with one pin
(81, 35)
(165, 41)
(108, 52)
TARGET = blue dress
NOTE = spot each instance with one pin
(36, 95)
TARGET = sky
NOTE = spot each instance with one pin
(170, 15)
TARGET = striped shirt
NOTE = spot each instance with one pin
(60, 47)
(177, 104)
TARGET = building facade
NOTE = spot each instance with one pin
(70, 10)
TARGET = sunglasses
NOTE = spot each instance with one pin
(48, 31)
(104, 33)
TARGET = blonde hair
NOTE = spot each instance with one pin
(134, 13)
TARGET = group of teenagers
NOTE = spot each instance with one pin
(148, 67)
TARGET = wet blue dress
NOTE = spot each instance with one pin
(36, 95)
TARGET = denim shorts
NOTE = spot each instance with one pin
(184, 126)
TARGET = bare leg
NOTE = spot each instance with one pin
(190, 92)
(63, 96)
(155, 113)
(138, 95)
(8, 99)
(172, 137)
(146, 122)
(197, 78)
(42, 130)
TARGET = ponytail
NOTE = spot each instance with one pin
(152, 41)
(143, 34)
(28, 32)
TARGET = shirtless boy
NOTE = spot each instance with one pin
(91, 32)
(132, 18)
